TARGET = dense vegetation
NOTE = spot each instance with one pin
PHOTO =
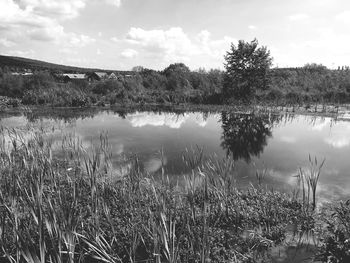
(70, 204)
(247, 79)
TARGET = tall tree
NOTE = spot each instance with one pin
(247, 68)
(178, 75)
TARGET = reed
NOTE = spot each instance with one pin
(307, 182)
(64, 205)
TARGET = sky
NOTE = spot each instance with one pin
(121, 34)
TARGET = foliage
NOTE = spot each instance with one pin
(247, 79)
(177, 77)
(73, 206)
(336, 247)
(245, 135)
(247, 68)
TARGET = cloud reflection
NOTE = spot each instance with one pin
(170, 120)
(338, 142)
(339, 137)
(320, 125)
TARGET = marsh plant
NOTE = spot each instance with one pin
(67, 204)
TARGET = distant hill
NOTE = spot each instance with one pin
(33, 64)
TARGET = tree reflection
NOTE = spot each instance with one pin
(245, 135)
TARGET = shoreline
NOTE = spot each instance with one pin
(326, 110)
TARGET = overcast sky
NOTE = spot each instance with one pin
(120, 34)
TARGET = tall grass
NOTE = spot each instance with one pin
(307, 182)
(63, 204)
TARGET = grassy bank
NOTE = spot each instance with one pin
(62, 203)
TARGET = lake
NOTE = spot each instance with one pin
(279, 143)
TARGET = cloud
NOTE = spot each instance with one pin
(116, 3)
(298, 17)
(252, 27)
(25, 20)
(62, 9)
(174, 45)
(129, 53)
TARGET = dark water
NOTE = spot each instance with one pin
(279, 143)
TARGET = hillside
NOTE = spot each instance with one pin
(33, 64)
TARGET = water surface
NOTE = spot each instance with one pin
(279, 143)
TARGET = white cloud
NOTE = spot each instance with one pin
(204, 36)
(39, 20)
(174, 45)
(252, 27)
(116, 3)
(298, 17)
(62, 9)
(129, 53)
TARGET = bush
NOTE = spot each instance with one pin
(336, 248)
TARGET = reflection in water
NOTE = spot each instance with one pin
(245, 135)
(171, 120)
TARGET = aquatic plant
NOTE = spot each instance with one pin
(66, 204)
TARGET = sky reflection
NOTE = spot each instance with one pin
(279, 143)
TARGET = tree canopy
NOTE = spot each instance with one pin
(247, 68)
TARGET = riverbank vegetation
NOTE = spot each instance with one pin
(62, 202)
(247, 79)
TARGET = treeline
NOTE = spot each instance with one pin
(175, 84)
(311, 83)
(178, 84)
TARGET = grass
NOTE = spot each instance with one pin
(67, 205)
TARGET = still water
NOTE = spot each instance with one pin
(280, 143)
